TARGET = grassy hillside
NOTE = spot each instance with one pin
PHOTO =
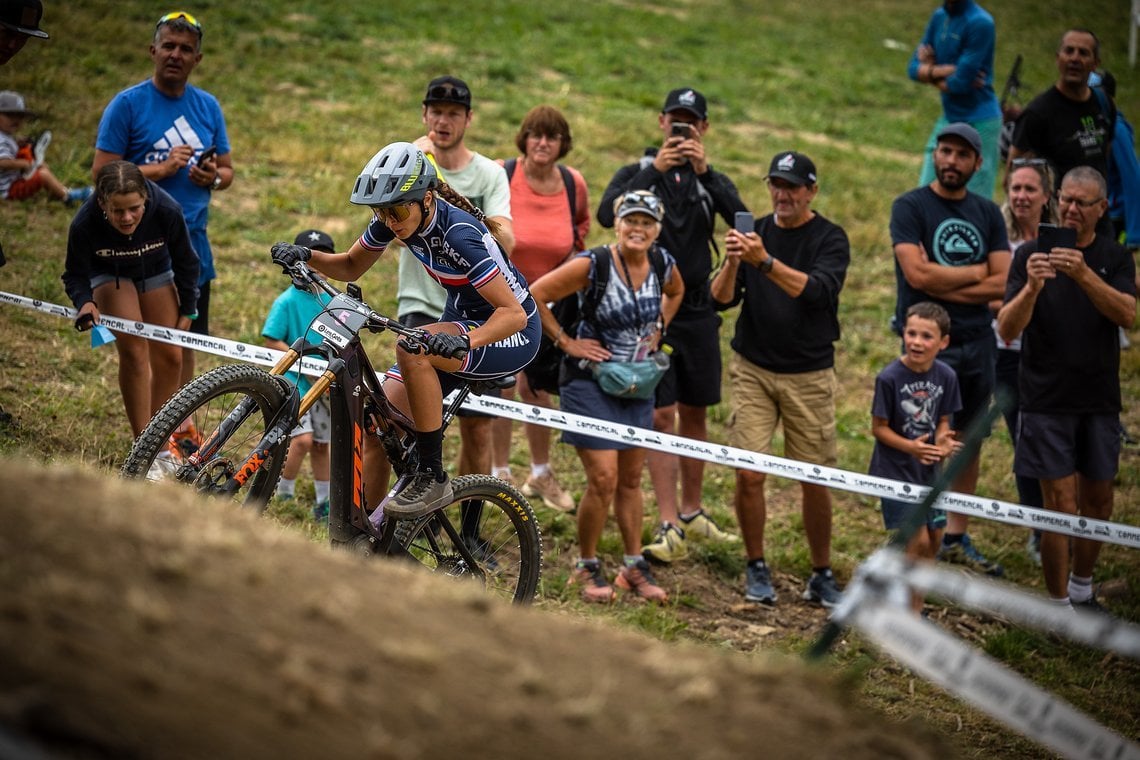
(310, 94)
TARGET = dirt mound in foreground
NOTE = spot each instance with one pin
(137, 621)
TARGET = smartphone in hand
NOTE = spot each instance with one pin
(743, 222)
(681, 129)
(1050, 236)
(207, 154)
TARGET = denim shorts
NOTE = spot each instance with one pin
(142, 284)
(896, 513)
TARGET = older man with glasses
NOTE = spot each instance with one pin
(176, 134)
(1070, 302)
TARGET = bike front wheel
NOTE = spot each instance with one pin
(226, 411)
(488, 534)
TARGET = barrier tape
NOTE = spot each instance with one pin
(876, 603)
(832, 477)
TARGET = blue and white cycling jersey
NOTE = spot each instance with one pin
(460, 253)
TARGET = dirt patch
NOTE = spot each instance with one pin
(137, 621)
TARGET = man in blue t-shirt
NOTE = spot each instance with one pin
(951, 248)
(956, 56)
(176, 134)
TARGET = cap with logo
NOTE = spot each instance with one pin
(793, 167)
(686, 99)
(317, 240)
(12, 102)
(963, 131)
(23, 16)
(448, 89)
(639, 202)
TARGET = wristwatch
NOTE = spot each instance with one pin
(217, 181)
(765, 266)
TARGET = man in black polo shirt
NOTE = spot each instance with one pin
(951, 247)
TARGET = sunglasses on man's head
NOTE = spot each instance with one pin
(180, 16)
(1017, 163)
(448, 92)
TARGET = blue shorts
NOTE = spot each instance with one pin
(1052, 446)
(583, 396)
(896, 513)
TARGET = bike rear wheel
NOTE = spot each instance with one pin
(488, 534)
(194, 413)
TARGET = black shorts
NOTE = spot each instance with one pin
(419, 319)
(1052, 446)
(694, 376)
(973, 362)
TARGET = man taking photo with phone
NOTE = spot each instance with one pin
(694, 194)
(787, 274)
(1070, 300)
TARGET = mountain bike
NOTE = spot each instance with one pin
(226, 434)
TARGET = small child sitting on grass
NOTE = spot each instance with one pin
(288, 319)
(20, 177)
(915, 396)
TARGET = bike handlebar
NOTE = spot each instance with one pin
(413, 339)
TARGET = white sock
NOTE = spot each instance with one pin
(501, 472)
(538, 470)
(1062, 602)
(321, 487)
(286, 487)
(1080, 589)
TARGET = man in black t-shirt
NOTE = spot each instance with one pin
(694, 194)
(1069, 124)
(951, 247)
(1070, 303)
(787, 273)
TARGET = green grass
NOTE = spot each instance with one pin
(311, 93)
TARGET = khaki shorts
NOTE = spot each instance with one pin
(804, 402)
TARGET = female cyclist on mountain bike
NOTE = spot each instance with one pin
(489, 314)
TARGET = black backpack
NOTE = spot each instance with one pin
(544, 371)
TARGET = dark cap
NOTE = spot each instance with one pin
(963, 131)
(448, 90)
(793, 167)
(317, 240)
(639, 202)
(686, 99)
(23, 16)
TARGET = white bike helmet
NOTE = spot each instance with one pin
(397, 174)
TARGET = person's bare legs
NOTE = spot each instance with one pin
(664, 467)
(1094, 500)
(475, 445)
(601, 467)
(966, 482)
(160, 307)
(751, 511)
(817, 522)
(629, 507)
(693, 423)
(54, 187)
(1060, 495)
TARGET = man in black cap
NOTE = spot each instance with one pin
(787, 274)
(19, 20)
(679, 173)
(951, 247)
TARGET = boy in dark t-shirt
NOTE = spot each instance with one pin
(915, 395)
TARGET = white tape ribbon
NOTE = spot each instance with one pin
(832, 477)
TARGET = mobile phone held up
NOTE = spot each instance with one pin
(681, 129)
(743, 222)
(1050, 236)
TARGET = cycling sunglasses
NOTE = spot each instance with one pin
(392, 214)
(180, 16)
(449, 92)
(640, 200)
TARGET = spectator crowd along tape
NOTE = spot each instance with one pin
(832, 477)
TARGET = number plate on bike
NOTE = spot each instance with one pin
(341, 320)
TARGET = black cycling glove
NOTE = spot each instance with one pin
(286, 255)
(448, 345)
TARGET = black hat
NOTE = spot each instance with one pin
(23, 16)
(793, 167)
(963, 131)
(317, 240)
(448, 90)
(686, 99)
